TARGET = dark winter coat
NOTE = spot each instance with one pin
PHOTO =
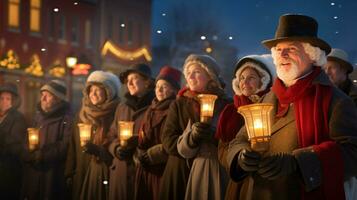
(44, 178)
(147, 181)
(349, 89)
(122, 172)
(343, 130)
(12, 142)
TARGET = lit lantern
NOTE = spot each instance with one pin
(84, 132)
(34, 138)
(258, 121)
(125, 131)
(207, 106)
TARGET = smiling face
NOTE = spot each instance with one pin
(291, 61)
(196, 77)
(97, 95)
(137, 84)
(163, 90)
(249, 81)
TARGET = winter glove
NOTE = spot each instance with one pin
(248, 160)
(123, 152)
(274, 166)
(200, 132)
(100, 152)
(145, 159)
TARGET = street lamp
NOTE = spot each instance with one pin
(71, 61)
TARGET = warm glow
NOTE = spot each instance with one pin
(207, 106)
(84, 132)
(35, 15)
(125, 55)
(125, 131)
(13, 13)
(258, 120)
(33, 137)
(71, 61)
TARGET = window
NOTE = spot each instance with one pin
(121, 31)
(75, 30)
(13, 13)
(35, 15)
(130, 32)
(88, 33)
(110, 27)
(62, 28)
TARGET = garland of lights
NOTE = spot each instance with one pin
(126, 55)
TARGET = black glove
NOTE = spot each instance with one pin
(124, 153)
(33, 157)
(277, 165)
(249, 160)
(145, 159)
(91, 149)
(200, 132)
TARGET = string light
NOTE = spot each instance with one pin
(125, 55)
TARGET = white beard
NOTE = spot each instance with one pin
(288, 77)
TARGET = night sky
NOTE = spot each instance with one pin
(248, 22)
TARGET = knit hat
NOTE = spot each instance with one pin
(340, 56)
(171, 75)
(108, 80)
(207, 63)
(9, 87)
(263, 64)
(141, 69)
(57, 88)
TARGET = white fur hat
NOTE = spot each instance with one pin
(262, 63)
(107, 79)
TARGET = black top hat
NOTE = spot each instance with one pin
(300, 28)
(141, 69)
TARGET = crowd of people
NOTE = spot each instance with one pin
(172, 154)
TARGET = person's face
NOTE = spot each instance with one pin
(197, 78)
(249, 81)
(5, 101)
(291, 61)
(163, 90)
(48, 100)
(96, 95)
(335, 72)
(136, 84)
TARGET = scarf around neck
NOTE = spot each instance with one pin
(311, 105)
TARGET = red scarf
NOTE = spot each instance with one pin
(311, 104)
(230, 121)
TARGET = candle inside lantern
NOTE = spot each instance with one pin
(125, 131)
(207, 106)
(258, 119)
(84, 132)
(34, 138)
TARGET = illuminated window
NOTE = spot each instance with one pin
(13, 13)
(88, 33)
(35, 15)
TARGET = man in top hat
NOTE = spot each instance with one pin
(44, 171)
(312, 149)
(12, 139)
(337, 68)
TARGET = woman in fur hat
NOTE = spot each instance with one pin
(140, 94)
(185, 138)
(152, 156)
(12, 138)
(253, 78)
(88, 165)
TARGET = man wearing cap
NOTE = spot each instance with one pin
(12, 139)
(44, 172)
(312, 149)
(337, 68)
